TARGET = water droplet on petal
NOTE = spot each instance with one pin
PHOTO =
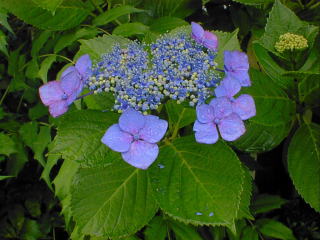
(160, 166)
(198, 213)
(211, 214)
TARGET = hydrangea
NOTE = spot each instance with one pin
(236, 66)
(58, 95)
(290, 41)
(135, 137)
(203, 37)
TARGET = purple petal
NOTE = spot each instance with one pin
(210, 40)
(50, 92)
(242, 76)
(58, 108)
(244, 106)
(131, 121)
(141, 154)
(236, 60)
(71, 85)
(67, 71)
(197, 32)
(205, 113)
(237, 65)
(116, 139)
(222, 107)
(228, 87)
(205, 132)
(231, 127)
(154, 129)
(83, 65)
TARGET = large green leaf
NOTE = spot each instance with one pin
(115, 13)
(130, 29)
(113, 201)
(98, 46)
(275, 113)
(271, 68)
(183, 231)
(177, 8)
(67, 39)
(282, 20)
(254, 2)
(309, 89)
(62, 184)
(79, 137)
(195, 183)
(304, 163)
(50, 5)
(68, 15)
(274, 229)
(164, 24)
(156, 229)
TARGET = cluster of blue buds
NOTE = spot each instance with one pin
(183, 69)
(179, 68)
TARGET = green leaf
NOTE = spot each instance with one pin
(7, 145)
(45, 175)
(50, 5)
(79, 137)
(4, 21)
(5, 177)
(156, 229)
(304, 157)
(227, 41)
(98, 46)
(41, 143)
(31, 230)
(113, 201)
(265, 203)
(178, 115)
(68, 15)
(271, 68)
(45, 66)
(195, 184)
(130, 29)
(245, 198)
(18, 159)
(164, 24)
(37, 111)
(274, 229)
(184, 232)
(115, 13)
(67, 39)
(3, 44)
(28, 133)
(309, 89)
(177, 8)
(249, 233)
(39, 42)
(254, 3)
(282, 20)
(275, 113)
(101, 101)
(63, 183)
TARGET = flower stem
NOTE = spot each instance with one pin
(52, 54)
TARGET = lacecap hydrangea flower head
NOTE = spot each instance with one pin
(178, 66)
